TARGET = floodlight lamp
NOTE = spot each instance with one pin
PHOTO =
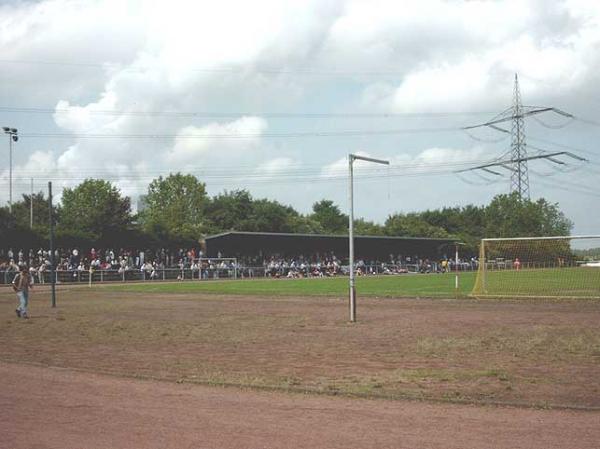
(13, 130)
(6, 129)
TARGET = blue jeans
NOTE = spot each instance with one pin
(23, 296)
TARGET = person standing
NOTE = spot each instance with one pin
(517, 264)
(21, 284)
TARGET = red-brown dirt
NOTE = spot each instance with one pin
(78, 376)
(52, 408)
(531, 353)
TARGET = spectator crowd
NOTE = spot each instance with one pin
(74, 260)
(152, 262)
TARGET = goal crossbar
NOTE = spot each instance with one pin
(558, 237)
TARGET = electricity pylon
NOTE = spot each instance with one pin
(519, 179)
(515, 160)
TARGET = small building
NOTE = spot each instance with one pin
(376, 248)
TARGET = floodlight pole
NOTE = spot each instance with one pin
(9, 172)
(31, 206)
(351, 159)
(13, 135)
(52, 261)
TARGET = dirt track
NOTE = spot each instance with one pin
(56, 408)
(520, 353)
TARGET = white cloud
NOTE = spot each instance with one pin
(276, 165)
(430, 158)
(216, 142)
(269, 56)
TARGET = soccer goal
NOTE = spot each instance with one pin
(540, 267)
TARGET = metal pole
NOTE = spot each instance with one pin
(31, 206)
(10, 173)
(351, 159)
(52, 264)
(456, 263)
(351, 242)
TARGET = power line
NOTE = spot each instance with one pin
(232, 69)
(232, 114)
(588, 121)
(575, 188)
(238, 170)
(236, 173)
(220, 136)
(561, 145)
(275, 181)
(282, 177)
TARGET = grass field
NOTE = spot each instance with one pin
(410, 286)
(575, 282)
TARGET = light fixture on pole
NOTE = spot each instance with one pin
(12, 137)
(351, 159)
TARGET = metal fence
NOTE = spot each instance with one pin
(216, 273)
(500, 265)
(131, 275)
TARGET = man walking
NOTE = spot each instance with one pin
(21, 284)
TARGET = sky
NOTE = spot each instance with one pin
(272, 96)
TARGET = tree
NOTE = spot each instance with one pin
(13, 235)
(7, 224)
(330, 217)
(466, 224)
(270, 216)
(511, 216)
(94, 209)
(363, 227)
(229, 210)
(22, 212)
(412, 225)
(175, 208)
(303, 224)
(238, 211)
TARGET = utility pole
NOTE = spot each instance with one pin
(351, 159)
(516, 159)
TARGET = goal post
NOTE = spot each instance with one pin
(539, 267)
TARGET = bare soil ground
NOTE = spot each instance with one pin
(52, 408)
(531, 353)
(107, 369)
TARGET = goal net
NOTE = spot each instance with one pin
(552, 267)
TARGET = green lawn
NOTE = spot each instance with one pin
(568, 282)
(409, 285)
(572, 281)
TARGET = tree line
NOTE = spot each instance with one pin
(178, 211)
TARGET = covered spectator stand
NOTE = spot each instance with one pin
(265, 244)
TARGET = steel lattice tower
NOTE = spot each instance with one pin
(515, 159)
(519, 179)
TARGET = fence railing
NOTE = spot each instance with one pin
(502, 265)
(215, 273)
(99, 276)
